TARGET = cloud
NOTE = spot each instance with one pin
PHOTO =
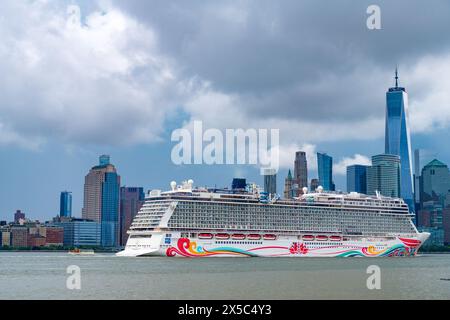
(341, 167)
(8, 136)
(304, 63)
(97, 80)
(429, 95)
(117, 75)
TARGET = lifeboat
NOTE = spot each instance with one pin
(270, 237)
(205, 236)
(335, 238)
(308, 237)
(222, 236)
(321, 238)
(238, 236)
(254, 237)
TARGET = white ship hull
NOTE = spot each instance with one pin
(173, 245)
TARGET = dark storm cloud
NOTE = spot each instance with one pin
(306, 59)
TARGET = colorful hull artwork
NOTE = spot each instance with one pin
(186, 248)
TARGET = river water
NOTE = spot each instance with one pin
(43, 275)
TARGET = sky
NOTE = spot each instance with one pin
(83, 78)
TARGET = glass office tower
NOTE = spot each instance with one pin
(110, 210)
(325, 169)
(397, 138)
(357, 178)
(270, 181)
(101, 200)
(65, 204)
(301, 169)
(384, 175)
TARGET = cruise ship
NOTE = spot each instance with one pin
(200, 222)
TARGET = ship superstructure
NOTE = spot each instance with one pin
(200, 222)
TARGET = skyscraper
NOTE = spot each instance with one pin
(397, 139)
(18, 216)
(357, 178)
(417, 179)
(65, 204)
(288, 186)
(101, 200)
(436, 180)
(325, 169)
(131, 201)
(434, 212)
(384, 175)
(300, 170)
(270, 181)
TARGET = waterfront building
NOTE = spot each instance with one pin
(102, 200)
(288, 182)
(397, 138)
(65, 204)
(36, 240)
(384, 175)
(270, 181)
(325, 169)
(54, 236)
(81, 232)
(357, 178)
(19, 237)
(131, 200)
(301, 170)
(19, 215)
(6, 238)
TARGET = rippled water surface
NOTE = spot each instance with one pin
(43, 275)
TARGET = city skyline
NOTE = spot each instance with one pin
(300, 83)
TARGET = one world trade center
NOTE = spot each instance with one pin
(397, 138)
